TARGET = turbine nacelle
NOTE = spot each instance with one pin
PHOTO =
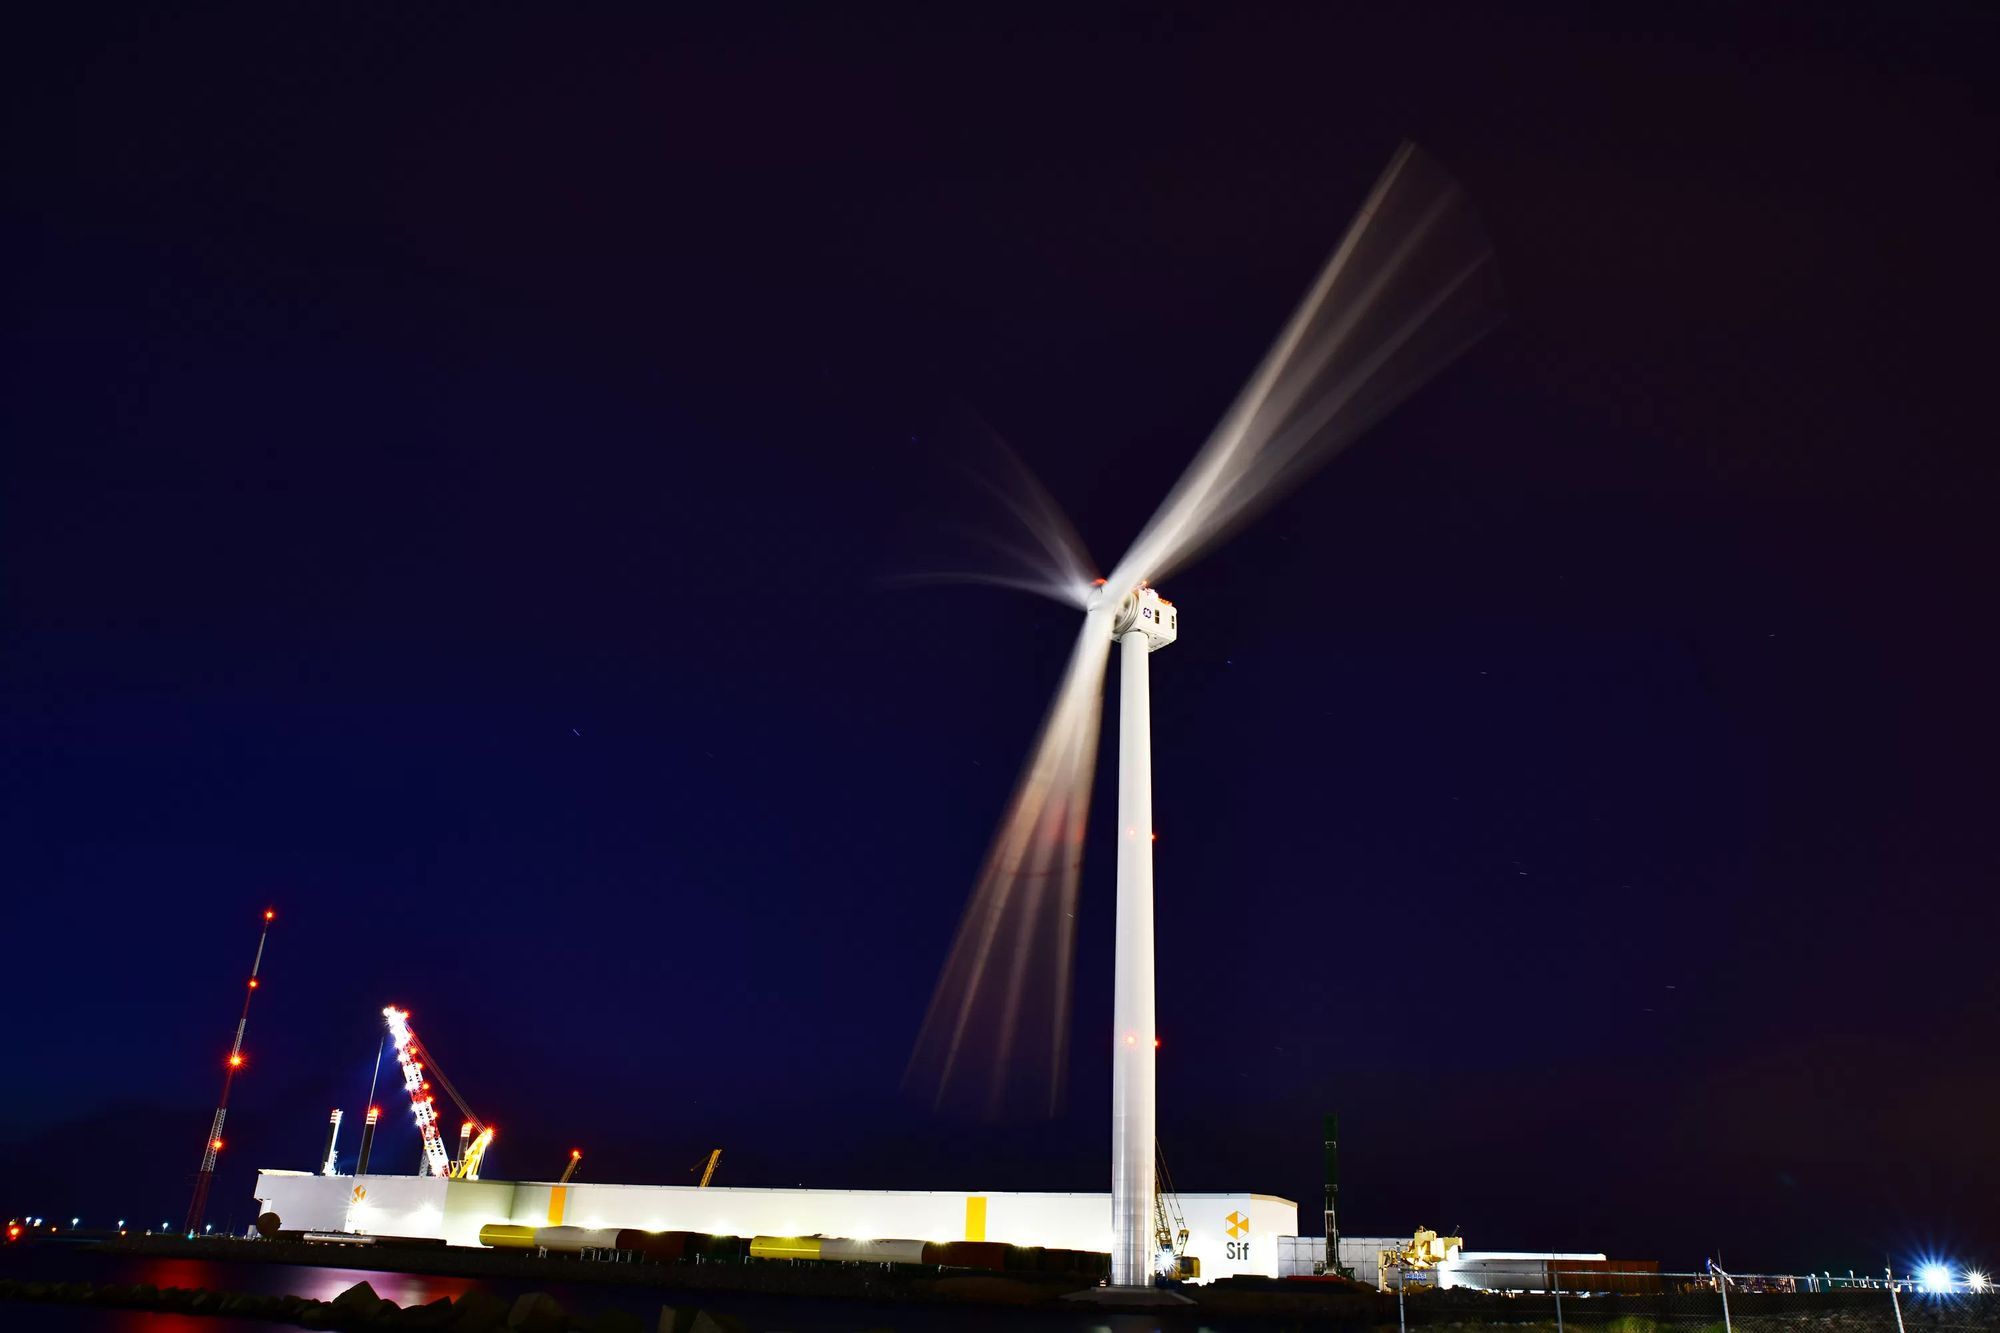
(1141, 609)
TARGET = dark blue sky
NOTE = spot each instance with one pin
(453, 466)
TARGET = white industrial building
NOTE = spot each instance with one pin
(1229, 1233)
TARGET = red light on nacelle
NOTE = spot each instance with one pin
(1156, 1043)
(1097, 583)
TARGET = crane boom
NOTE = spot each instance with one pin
(422, 1104)
(708, 1169)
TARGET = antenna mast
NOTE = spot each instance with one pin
(199, 1204)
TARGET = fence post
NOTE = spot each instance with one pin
(1893, 1300)
(1400, 1326)
(1555, 1284)
(1722, 1285)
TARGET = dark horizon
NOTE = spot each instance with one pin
(456, 472)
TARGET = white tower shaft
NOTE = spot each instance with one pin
(1132, 1133)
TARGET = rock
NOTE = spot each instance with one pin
(358, 1302)
(614, 1321)
(537, 1312)
(436, 1314)
(478, 1311)
(707, 1321)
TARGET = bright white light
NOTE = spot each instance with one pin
(1975, 1281)
(1934, 1278)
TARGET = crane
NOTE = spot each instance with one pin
(1425, 1252)
(575, 1156)
(707, 1168)
(1170, 1230)
(416, 1058)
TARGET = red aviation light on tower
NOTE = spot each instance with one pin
(236, 1062)
(215, 1144)
(270, 915)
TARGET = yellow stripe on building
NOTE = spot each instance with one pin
(975, 1217)
(558, 1201)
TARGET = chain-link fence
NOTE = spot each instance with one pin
(1607, 1301)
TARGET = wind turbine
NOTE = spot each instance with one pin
(1410, 286)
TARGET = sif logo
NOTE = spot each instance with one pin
(1238, 1227)
(360, 1195)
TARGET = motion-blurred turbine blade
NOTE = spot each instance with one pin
(1038, 545)
(1411, 285)
(998, 1024)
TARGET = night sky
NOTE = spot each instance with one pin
(456, 467)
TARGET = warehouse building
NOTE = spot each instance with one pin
(1229, 1233)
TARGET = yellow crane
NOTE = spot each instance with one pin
(1170, 1230)
(1424, 1253)
(707, 1168)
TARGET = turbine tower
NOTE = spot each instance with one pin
(1146, 623)
(1411, 285)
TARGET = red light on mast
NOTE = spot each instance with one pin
(216, 1144)
(235, 1062)
(270, 915)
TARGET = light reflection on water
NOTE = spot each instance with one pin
(319, 1284)
(762, 1312)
